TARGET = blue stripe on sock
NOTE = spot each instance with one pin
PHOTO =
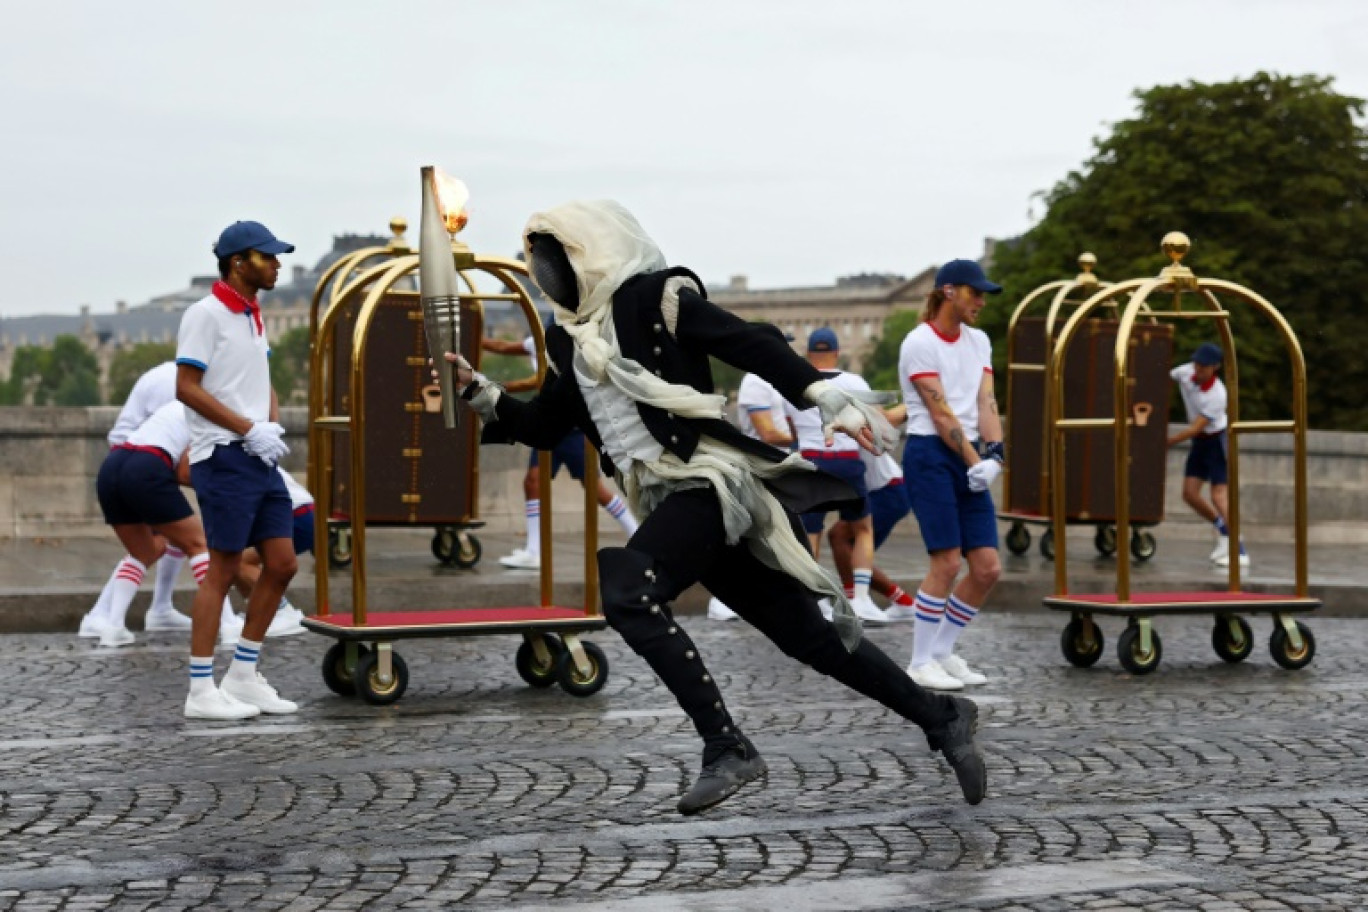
(245, 655)
(922, 596)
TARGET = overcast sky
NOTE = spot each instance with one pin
(788, 140)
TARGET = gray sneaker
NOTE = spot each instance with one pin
(723, 778)
(956, 741)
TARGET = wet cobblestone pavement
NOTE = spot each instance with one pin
(1203, 786)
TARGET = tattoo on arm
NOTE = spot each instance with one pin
(957, 438)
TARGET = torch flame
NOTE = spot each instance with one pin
(452, 196)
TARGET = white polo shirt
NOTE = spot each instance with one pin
(880, 471)
(807, 423)
(165, 429)
(299, 495)
(960, 363)
(153, 390)
(756, 395)
(1208, 402)
(234, 355)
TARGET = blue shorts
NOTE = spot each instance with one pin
(139, 486)
(304, 530)
(949, 514)
(851, 471)
(888, 506)
(569, 452)
(243, 501)
(1207, 459)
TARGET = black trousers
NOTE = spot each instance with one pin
(683, 542)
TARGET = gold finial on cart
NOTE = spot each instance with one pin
(1086, 262)
(398, 244)
(1176, 246)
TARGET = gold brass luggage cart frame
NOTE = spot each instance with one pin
(363, 661)
(1139, 648)
(1026, 481)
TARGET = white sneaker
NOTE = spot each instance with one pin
(868, 612)
(1224, 559)
(117, 636)
(230, 628)
(521, 560)
(166, 619)
(824, 606)
(933, 677)
(956, 667)
(1221, 553)
(897, 614)
(218, 706)
(257, 693)
(286, 621)
(717, 611)
(92, 625)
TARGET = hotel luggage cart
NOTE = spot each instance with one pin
(376, 313)
(1090, 498)
(1140, 648)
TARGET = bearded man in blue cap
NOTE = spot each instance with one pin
(223, 377)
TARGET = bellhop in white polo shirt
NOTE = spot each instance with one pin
(960, 363)
(223, 335)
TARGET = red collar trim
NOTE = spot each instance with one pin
(1206, 387)
(231, 299)
(943, 337)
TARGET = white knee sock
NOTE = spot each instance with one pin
(862, 576)
(244, 661)
(127, 579)
(617, 509)
(101, 610)
(533, 508)
(925, 623)
(168, 568)
(957, 617)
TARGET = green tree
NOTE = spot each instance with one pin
(881, 368)
(290, 366)
(1267, 176)
(129, 364)
(65, 374)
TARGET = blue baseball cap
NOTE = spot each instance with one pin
(965, 272)
(823, 340)
(242, 236)
(1208, 354)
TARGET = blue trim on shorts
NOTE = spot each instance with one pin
(304, 531)
(852, 472)
(135, 487)
(888, 506)
(243, 501)
(1207, 459)
(568, 453)
(948, 513)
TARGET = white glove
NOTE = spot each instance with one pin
(982, 474)
(474, 387)
(265, 440)
(851, 411)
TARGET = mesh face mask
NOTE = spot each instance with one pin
(552, 272)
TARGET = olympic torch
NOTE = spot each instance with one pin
(444, 200)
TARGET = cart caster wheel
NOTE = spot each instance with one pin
(534, 673)
(1143, 545)
(336, 674)
(1078, 649)
(339, 548)
(1047, 544)
(455, 550)
(1225, 642)
(1018, 539)
(575, 684)
(1283, 653)
(366, 679)
(1128, 651)
(1105, 540)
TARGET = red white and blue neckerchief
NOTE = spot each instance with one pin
(231, 299)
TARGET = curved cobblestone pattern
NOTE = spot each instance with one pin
(1201, 786)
